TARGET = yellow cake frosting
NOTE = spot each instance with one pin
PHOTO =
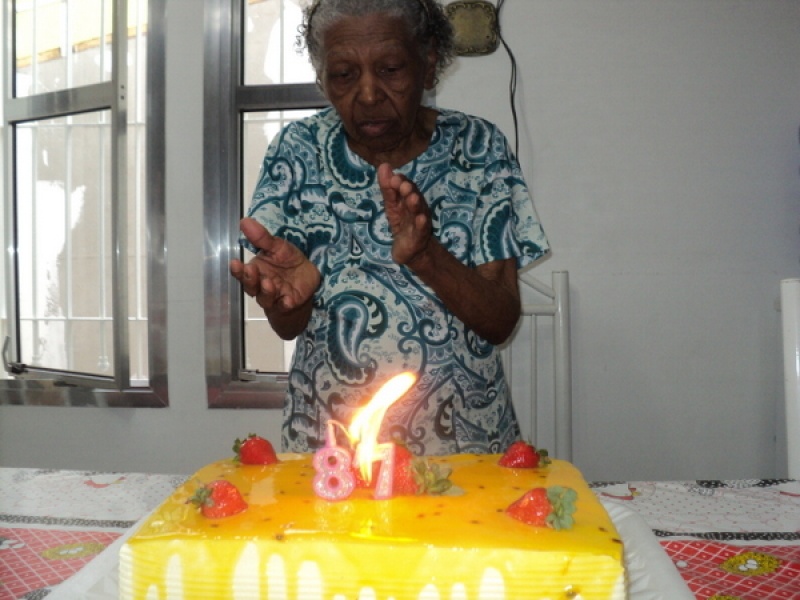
(291, 544)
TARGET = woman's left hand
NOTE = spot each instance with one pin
(408, 214)
(486, 297)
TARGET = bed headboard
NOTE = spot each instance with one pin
(539, 366)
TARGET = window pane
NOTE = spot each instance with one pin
(270, 43)
(61, 44)
(64, 246)
(264, 351)
(63, 171)
(59, 314)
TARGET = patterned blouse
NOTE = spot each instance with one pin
(373, 318)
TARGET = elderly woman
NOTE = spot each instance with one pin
(388, 235)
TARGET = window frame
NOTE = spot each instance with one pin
(227, 100)
(40, 386)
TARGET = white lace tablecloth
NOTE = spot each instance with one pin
(60, 534)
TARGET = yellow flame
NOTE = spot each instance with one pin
(367, 421)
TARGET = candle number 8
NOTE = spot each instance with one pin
(334, 479)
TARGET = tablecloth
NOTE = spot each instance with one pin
(729, 540)
(60, 533)
(54, 523)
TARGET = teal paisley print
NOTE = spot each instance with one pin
(372, 318)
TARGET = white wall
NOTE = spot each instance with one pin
(660, 138)
(661, 141)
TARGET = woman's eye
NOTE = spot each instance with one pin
(340, 74)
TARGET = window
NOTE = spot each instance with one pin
(256, 82)
(82, 314)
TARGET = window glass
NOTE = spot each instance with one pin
(62, 44)
(58, 306)
(271, 56)
(256, 83)
(271, 53)
(264, 350)
(64, 241)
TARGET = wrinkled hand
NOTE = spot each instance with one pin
(279, 277)
(408, 214)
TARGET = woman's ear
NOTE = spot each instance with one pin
(432, 59)
(320, 85)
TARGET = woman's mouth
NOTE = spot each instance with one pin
(374, 128)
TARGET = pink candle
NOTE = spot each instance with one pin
(383, 487)
(334, 479)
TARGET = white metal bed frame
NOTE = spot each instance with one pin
(790, 334)
(555, 306)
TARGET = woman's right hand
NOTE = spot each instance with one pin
(279, 277)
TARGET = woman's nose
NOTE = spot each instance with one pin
(369, 89)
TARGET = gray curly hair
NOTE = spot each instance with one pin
(426, 21)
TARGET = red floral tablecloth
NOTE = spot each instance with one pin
(729, 540)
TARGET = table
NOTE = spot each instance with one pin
(60, 532)
(55, 525)
(728, 539)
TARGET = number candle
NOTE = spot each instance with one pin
(334, 479)
(383, 487)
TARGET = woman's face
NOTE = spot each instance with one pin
(374, 77)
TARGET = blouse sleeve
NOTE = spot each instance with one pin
(506, 223)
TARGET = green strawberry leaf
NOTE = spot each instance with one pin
(563, 501)
(431, 478)
(544, 457)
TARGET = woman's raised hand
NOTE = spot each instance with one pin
(408, 214)
(279, 277)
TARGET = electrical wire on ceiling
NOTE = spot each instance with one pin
(512, 86)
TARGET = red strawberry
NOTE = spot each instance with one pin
(403, 481)
(218, 499)
(255, 450)
(415, 476)
(545, 507)
(522, 455)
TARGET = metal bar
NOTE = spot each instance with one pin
(223, 308)
(790, 335)
(119, 191)
(539, 309)
(537, 285)
(9, 216)
(82, 99)
(563, 366)
(68, 247)
(534, 380)
(155, 178)
(507, 360)
(285, 96)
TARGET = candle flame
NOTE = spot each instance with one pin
(367, 421)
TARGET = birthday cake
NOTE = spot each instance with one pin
(285, 541)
